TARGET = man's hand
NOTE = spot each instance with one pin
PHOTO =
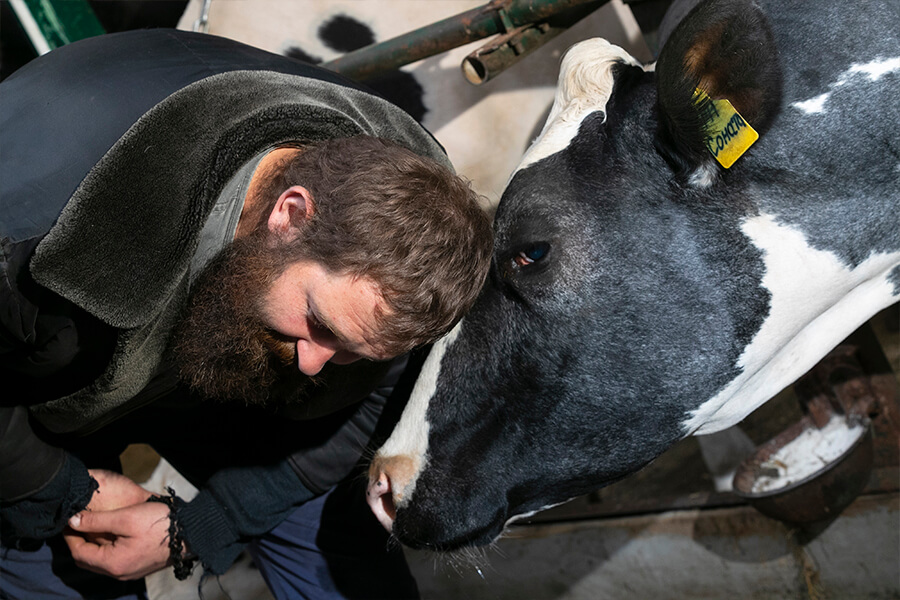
(137, 540)
(115, 491)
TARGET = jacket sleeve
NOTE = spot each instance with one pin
(45, 511)
(238, 504)
(41, 486)
(28, 463)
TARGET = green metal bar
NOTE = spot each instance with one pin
(452, 32)
(50, 24)
(506, 50)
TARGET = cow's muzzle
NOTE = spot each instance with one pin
(390, 479)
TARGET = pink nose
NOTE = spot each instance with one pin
(312, 357)
(381, 501)
(389, 486)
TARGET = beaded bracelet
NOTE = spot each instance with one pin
(183, 566)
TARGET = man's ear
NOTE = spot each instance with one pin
(726, 49)
(293, 208)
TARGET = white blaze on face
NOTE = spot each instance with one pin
(585, 85)
(817, 301)
(410, 437)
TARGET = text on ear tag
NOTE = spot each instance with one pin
(728, 134)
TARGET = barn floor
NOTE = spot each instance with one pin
(664, 533)
(727, 553)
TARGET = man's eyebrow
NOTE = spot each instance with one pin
(328, 324)
(352, 347)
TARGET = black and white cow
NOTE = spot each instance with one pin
(640, 292)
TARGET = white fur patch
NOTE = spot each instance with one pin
(410, 436)
(585, 85)
(873, 71)
(813, 105)
(817, 301)
(704, 175)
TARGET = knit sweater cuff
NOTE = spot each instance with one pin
(45, 513)
(208, 534)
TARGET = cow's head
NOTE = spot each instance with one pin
(628, 303)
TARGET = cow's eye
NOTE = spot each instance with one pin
(531, 254)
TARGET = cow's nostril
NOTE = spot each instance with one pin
(391, 480)
(387, 504)
(380, 498)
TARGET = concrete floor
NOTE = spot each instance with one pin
(733, 553)
(728, 554)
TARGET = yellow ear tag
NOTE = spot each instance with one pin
(729, 134)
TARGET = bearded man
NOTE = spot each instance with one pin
(229, 255)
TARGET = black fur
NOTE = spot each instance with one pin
(727, 49)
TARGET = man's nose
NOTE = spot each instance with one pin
(311, 357)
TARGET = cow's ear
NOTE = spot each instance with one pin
(726, 49)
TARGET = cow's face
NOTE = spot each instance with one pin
(545, 389)
(626, 308)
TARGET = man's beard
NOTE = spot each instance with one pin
(221, 345)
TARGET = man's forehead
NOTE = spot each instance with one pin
(355, 316)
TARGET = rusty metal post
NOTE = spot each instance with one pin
(498, 16)
(509, 48)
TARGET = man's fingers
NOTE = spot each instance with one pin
(88, 554)
(115, 491)
(106, 559)
(139, 540)
(98, 522)
(74, 538)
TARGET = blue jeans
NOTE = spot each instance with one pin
(331, 547)
(48, 572)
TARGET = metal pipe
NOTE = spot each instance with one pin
(498, 16)
(202, 23)
(506, 50)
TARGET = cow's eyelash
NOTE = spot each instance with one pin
(522, 260)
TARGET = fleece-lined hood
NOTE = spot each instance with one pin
(115, 151)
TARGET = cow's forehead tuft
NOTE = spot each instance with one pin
(586, 80)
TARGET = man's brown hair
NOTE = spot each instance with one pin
(404, 221)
